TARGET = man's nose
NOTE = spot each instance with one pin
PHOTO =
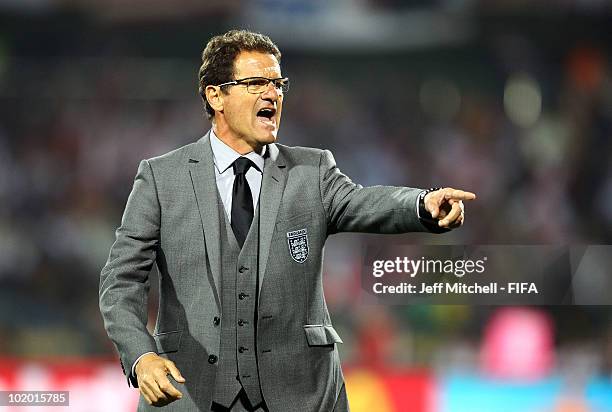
(271, 93)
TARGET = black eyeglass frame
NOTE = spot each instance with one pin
(283, 87)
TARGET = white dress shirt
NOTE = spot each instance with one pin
(224, 156)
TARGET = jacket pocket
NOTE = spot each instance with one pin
(321, 335)
(289, 219)
(167, 342)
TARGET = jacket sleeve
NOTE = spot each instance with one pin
(353, 208)
(124, 280)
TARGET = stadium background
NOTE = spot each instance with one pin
(510, 99)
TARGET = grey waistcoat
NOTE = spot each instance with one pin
(238, 353)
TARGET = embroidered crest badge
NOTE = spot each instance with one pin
(298, 245)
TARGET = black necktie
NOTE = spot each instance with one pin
(242, 201)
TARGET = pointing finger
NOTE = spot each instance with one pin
(459, 195)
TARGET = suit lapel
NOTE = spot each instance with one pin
(202, 172)
(272, 187)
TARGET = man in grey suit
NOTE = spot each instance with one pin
(236, 225)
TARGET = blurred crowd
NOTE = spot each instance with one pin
(523, 122)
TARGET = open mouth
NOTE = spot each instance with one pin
(266, 116)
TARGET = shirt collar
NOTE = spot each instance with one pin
(224, 156)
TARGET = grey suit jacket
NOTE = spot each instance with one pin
(172, 219)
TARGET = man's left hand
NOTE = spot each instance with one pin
(446, 205)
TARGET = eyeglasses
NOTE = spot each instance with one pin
(258, 85)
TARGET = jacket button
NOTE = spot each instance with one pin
(216, 321)
(212, 359)
(241, 322)
(242, 296)
(242, 349)
(243, 269)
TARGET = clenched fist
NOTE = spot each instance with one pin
(152, 373)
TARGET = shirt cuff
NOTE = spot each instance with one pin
(136, 362)
(419, 199)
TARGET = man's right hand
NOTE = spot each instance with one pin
(151, 372)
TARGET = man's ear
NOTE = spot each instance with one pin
(214, 96)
